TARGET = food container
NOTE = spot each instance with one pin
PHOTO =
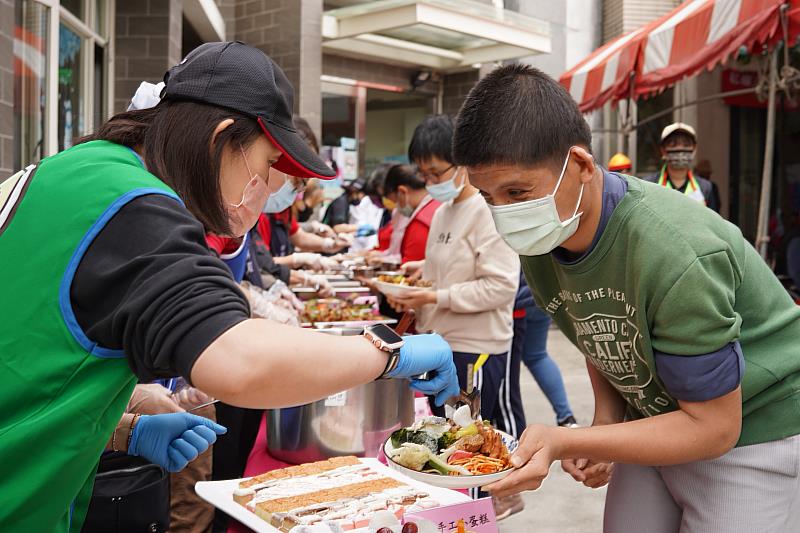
(393, 289)
(363, 271)
(345, 292)
(354, 422)
(349, 293)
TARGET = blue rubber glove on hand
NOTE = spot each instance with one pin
(365, 230)
(425, 353)
(173, 440)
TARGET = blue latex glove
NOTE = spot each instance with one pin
(173, 440)
(425, 353)
(365, 230)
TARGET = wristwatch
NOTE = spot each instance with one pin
(386, 339)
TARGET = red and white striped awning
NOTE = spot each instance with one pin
(604, 74)
(697, 35)
(700, 34)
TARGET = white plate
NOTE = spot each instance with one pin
(454, 482)
(220, 495)
(393, 289)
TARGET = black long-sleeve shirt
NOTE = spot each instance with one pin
(148, 285)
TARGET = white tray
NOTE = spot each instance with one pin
(220, 495)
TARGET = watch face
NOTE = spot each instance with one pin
(385, 333)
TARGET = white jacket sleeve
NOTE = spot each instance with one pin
(496, 276)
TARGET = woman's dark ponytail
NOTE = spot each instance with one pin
(127, 128)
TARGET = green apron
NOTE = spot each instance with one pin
(61, 395)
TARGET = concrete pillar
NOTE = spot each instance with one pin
(148, 42)
(290, 32)
(6, 88)
(456, 88)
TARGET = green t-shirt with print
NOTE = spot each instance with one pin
(670, 275)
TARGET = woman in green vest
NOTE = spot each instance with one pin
(107, 280)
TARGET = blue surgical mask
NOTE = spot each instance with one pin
(282, 199)
(447, 190)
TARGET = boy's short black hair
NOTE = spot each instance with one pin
(433, 137)
(402, 175)
(518, 115)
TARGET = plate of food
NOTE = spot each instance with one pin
(399, 285)
(444, 453)
(339, 311)
(343, 493)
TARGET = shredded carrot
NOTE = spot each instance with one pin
(480, 464)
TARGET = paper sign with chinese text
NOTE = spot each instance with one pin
(478, 517)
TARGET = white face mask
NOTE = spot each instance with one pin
(282, 199)
(447, 190)
(534, 227)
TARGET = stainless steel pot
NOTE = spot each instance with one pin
(355, 422)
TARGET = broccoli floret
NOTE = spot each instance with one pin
(399, 437)
(417, 437)
(447, 440)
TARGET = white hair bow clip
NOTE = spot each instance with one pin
(147, 95)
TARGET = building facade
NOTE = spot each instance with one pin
(356, 65)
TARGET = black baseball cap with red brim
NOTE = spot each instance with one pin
(245, 79)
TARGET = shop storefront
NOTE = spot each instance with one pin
(62, 74)
(366, 71)
(386, 65)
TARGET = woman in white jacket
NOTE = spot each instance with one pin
(474, 273)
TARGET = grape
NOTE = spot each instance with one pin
(384, 530)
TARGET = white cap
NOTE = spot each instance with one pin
(678, 126)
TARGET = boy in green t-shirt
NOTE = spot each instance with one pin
(691, 343)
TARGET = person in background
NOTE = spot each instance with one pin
(474, 273)
(306, 205)
(250, 260)
(509, 416)
(704, 168)
(188, 512)
(621, 163)
(390, 235)
(405, 189)
(690, 340)
(678, 148)
(545, 371)
(366, 217)
(342, 211)
(337, 214)
(286, 235)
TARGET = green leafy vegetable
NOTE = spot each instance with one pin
(447, 440)
(417, 437)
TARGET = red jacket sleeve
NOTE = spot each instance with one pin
(414, 241)
(385, 237)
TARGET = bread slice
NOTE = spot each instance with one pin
(247, 487)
